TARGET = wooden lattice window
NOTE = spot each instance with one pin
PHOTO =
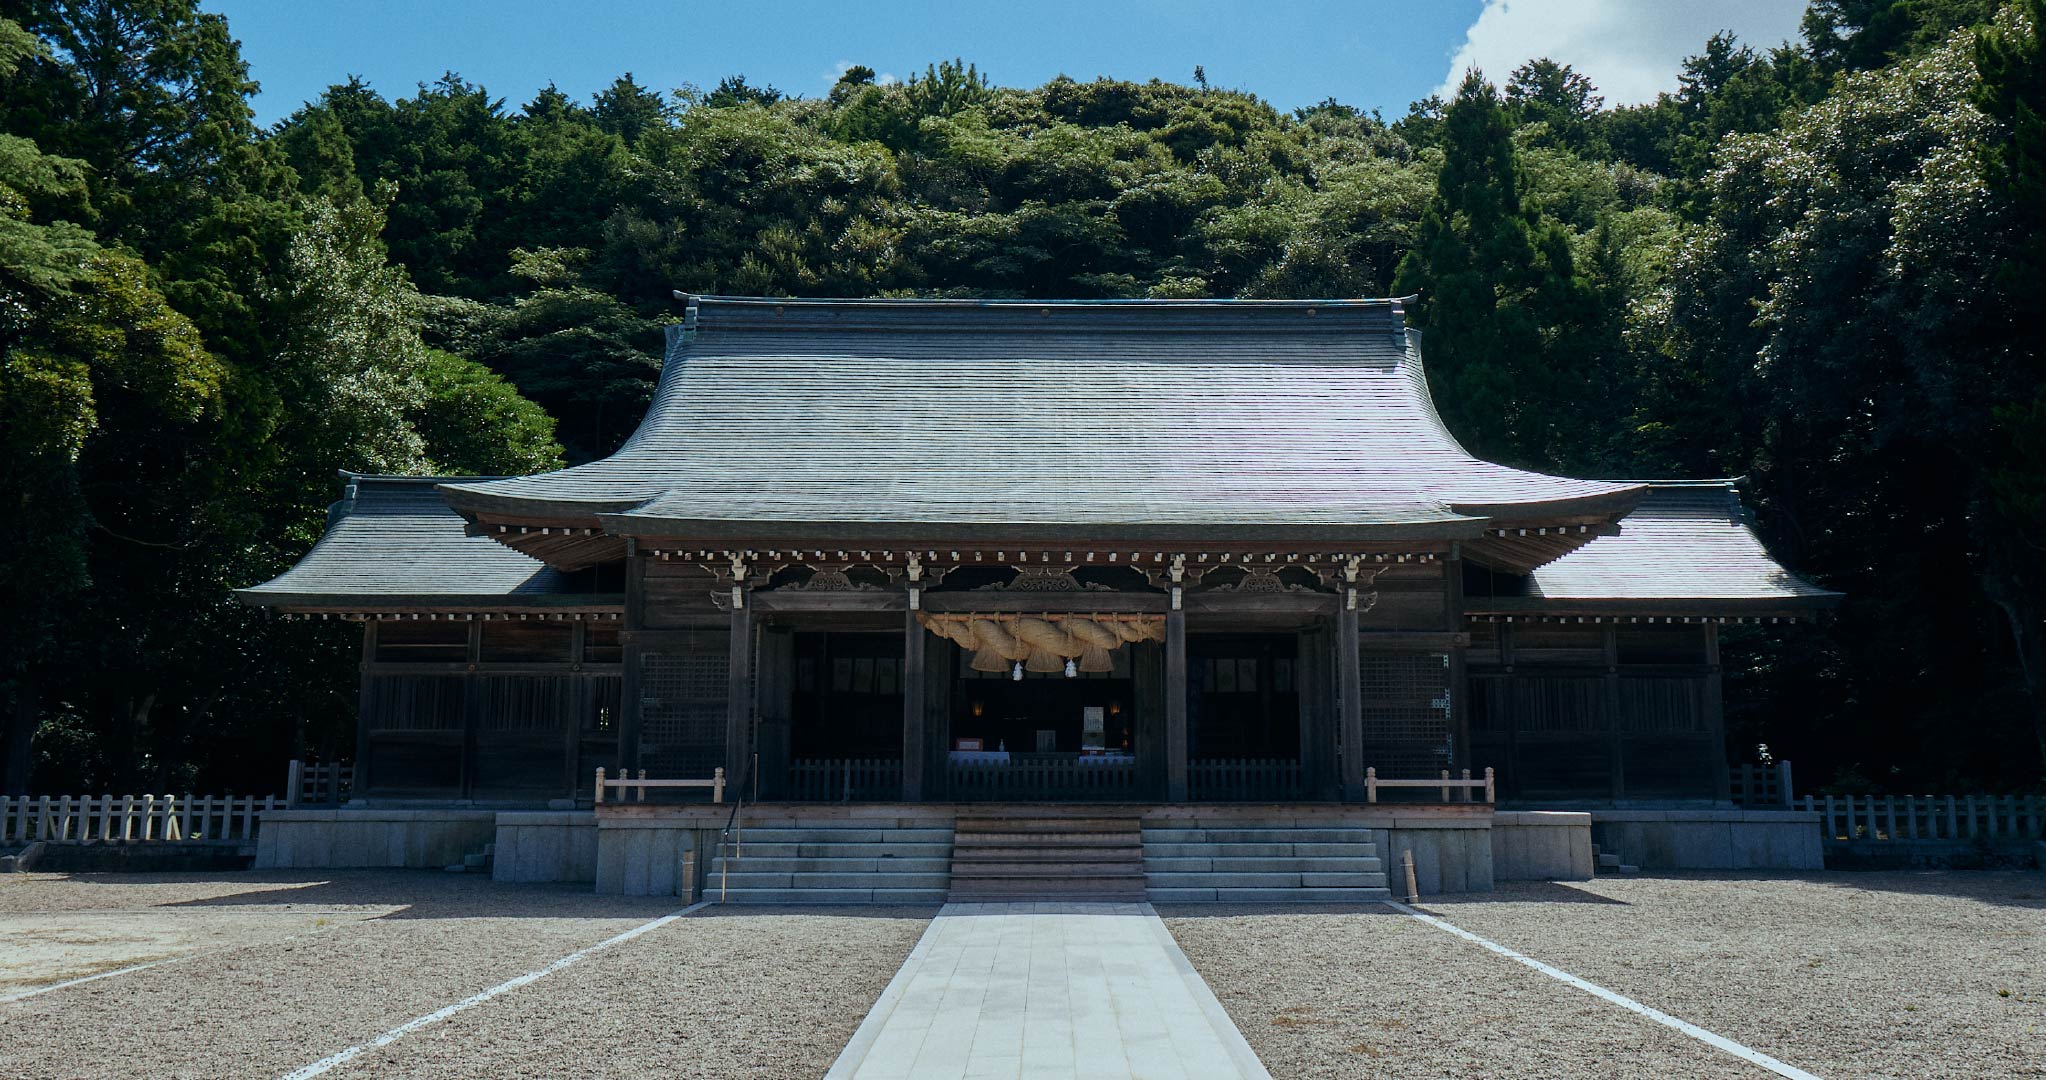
(1407, 729)
(682, 712)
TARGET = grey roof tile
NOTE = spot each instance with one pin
(1234, 414)
(1686, 546)
(394, 540)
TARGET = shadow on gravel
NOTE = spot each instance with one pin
(1237, 911)
(922, 913)
(2007, 888)
(1527, 892)
(417, 894)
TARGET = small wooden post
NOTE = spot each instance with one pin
(294, 784)
(717, 785)
(1785, 794)
(43, 819)
(1407, 861)
(599, 799)
(1445, 785)
(106, 816)
(1371, 784)
(642, 786)
(1491, 786)
(1466, 786)
(248, 817)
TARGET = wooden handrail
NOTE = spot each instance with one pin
(716, 784)
(1372, 783)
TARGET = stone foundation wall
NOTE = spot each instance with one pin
(1711, 839)
(1541, 845)
(388, 839)
(546, 846)
(651, 857)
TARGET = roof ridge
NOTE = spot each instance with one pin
(1156, 304)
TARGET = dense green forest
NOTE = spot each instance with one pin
(1817, 266)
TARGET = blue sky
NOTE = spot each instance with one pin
(1369, 53)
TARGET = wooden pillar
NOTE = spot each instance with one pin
(1175, 700)
(1350, 697)
(939, 665)
(739, 695)
(915, 751)
(1508, 697)
(1715, 716)
(775, 678)
(363, 717)
(630, 652)
(1616, 750)
(1317, 692)
(1147, 667)
(1459, 678)
(472, 709)
(585, 708)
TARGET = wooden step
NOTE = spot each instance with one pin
(1049, 839)
(1046, 824)
(1048, 857)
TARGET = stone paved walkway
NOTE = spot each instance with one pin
(1047, 990)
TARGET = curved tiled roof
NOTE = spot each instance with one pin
(393, 541)
(1686, 549)
(844, 418)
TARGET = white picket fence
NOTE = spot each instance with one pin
(1885, 818)
(182, 818)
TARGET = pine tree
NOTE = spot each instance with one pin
(1496, 284)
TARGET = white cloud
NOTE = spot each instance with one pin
(1633, 49)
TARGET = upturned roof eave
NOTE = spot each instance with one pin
(261, 597)
(1444, 529)
(1798, 606)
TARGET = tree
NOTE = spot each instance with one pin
(1496, 284)
(475, 424)
(2010, 60)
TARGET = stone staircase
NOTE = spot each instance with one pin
(1048, 858)
(1251, 863)
(834, 863)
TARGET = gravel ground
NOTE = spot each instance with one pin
(57, 928)
(724, 993)
(269, 1006)
(1369, 992)
(1845, 974)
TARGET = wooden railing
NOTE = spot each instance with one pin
(1223, 779)
(623, 783)
(317, 785)
(152, 818)
(1887, 818)
(1443, 783)
(1762, 787)
(1028, 776)
(844, 779)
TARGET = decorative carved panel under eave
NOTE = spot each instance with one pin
(1043, 578)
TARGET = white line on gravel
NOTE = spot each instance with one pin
(86, 979)
(1719, 1041)
(470, 1002)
